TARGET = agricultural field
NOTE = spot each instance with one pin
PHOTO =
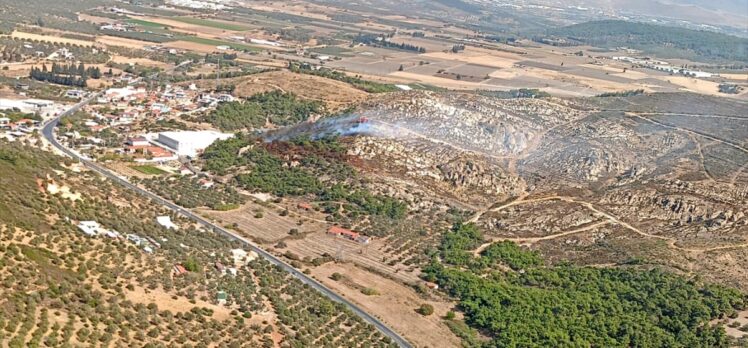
(150, 170)
(334, 94)
(211, 23)
(120, 279)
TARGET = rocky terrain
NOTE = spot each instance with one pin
(597, 180)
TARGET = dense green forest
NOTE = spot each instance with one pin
(276, 107)
(672, 41)
(259, 168)
(508, 294)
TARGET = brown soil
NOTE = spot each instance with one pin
(396, 304)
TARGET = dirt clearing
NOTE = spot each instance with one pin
(395, 302)
(118, 41)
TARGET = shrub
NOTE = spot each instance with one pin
(425, 309)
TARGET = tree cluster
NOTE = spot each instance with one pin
(276, 107)
(382, 41)
(266, 172)
(566, 305)
(65, 74)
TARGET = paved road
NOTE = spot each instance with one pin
(48, 133)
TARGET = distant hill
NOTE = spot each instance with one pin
(665, 41)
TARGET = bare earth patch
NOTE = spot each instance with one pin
(396, 304)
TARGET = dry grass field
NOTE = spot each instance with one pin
(269, 228)
(335, 94)
(395, 303)
(50, 38)
(122, 42)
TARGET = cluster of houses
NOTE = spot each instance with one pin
(12, 128)
(148, 244)
(61, 54)
(94, 229)
(19, 127)
(116, 27)
(124, 107)
(240, 258)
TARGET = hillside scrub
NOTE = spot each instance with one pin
(259, 168)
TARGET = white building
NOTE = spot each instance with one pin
(92, 229)
(75, 93)
(265, 42)
(190, 143)
(166, 222)
(125, 93)
(241, 257)
(27, 105)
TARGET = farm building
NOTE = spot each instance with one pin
(348, 234)
(166, 222)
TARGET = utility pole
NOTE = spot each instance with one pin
(218, 72)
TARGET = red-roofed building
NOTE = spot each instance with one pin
(26, 121)
(179, 270)
(348, 234)
(150, 152)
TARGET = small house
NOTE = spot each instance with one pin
(221, 297)
(75, 93)
(205, 183)
(348, 234)
(431, 285)
(179, 270)
(137, 141)
(184, 170)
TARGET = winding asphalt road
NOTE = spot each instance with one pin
(49, 134)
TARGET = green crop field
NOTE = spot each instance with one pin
(210, 23)
(143, 23)
(151, 170)
(333, 51)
